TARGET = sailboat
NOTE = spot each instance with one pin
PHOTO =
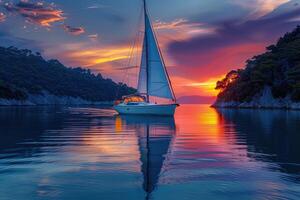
(153, 80)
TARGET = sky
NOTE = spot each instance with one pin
(201, 40)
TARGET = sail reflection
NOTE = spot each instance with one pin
(155, 136)
(71, 153)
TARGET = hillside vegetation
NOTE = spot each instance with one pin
(278, 69)
(23, 73)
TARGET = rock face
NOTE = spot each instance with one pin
(264, 100)
(49, 99)
(269, 80)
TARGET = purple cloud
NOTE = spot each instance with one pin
(74, 30)
(230, 33)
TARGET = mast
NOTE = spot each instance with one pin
(146, 47)
(154, 58)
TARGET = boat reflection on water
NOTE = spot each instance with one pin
(155, 135)
(76, 152)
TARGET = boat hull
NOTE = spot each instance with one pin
(146, 109)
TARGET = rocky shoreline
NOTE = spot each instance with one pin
(264, 100)
(49, 99)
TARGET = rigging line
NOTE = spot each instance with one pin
(137, 58)
(137, 42)
(130, 53)
(139, 38)
(126, 71)
(133, 46)
(131, 56)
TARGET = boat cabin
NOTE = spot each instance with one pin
(131, 99)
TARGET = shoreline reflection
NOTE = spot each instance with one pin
(271, 136)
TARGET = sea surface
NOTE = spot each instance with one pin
(81, 153)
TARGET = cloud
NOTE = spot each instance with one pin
(93, 37)
(74, 30)
(259, 8)
(96, 56)
(186, 86)
(181, 29)
(96, 6)
(296, 19)
(37, 13)
(83, 54)
(2, 17)
(232, 43)
(169, 25)
(41, 14)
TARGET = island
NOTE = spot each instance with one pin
(26, 78)
(269, 80)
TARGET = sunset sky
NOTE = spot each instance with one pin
(201, 40)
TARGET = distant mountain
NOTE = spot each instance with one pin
(195, 100)
(27, 76)
(269, 80)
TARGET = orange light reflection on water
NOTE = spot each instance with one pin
(203, 129)
(200, 120)
(101, 145)
(118, 124)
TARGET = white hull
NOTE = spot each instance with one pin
(146, 109)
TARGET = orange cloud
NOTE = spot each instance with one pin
(83, 54)
(37, 13)
(206, 88)
(2, 17)
(185, 86)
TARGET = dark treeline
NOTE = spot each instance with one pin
(278, 68)
(23, 72)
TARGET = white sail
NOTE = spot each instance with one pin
(158, 80)
(142, 84)
(153, 77)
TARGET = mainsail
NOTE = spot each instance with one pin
(142, 84)
(153, 76)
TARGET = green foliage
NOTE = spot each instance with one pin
(25, 72)
(228, 80)
(278, 68)
(7, 92)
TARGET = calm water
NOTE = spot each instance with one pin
(201, 153)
